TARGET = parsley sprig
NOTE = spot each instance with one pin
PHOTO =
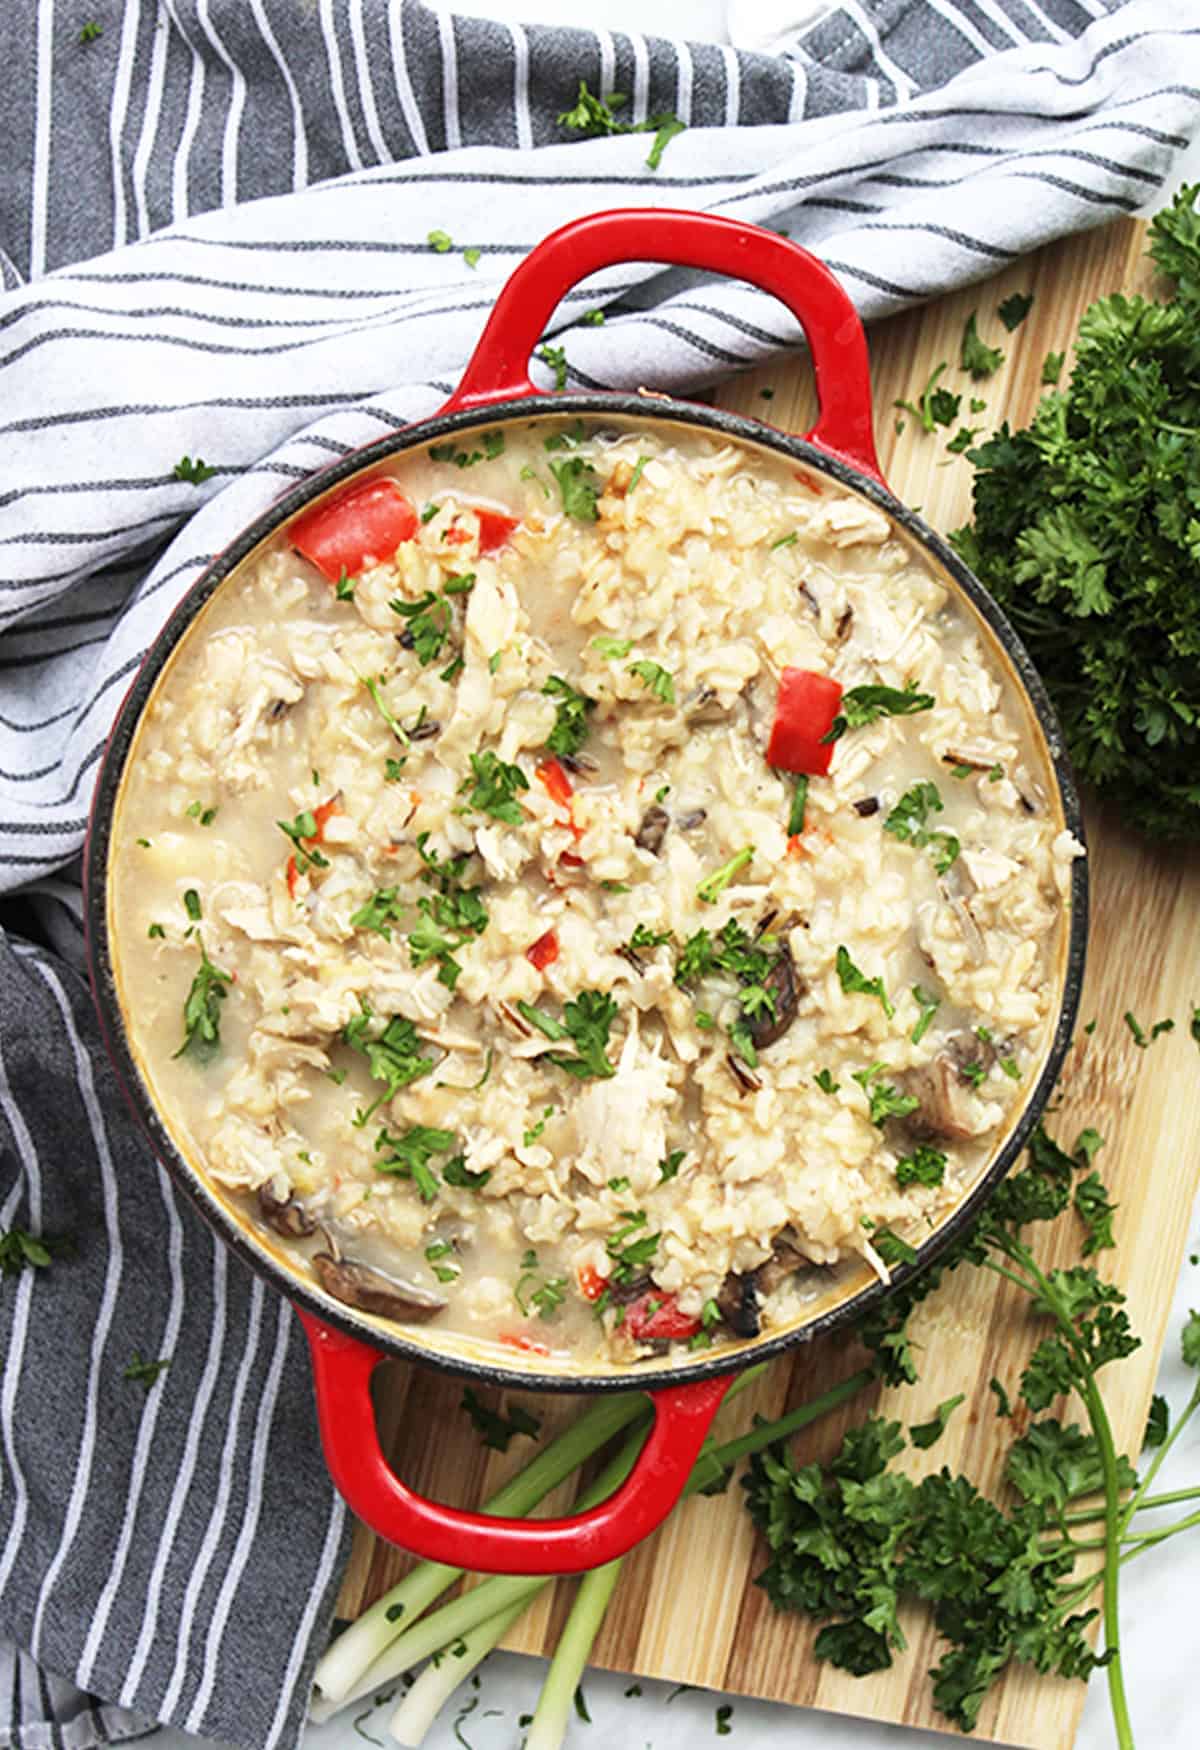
(586, 1022)
(867, 704)
(570, 716)
(908, 821)
(394, 1056)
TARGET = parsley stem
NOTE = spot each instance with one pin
(1102, 1428)
(1137, 1499)
(1142, 1538)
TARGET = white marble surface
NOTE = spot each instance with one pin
(1159, 1593)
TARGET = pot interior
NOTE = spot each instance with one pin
(830, 1295)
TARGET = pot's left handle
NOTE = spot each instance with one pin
(481, 1542)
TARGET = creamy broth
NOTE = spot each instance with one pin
(539, 1016)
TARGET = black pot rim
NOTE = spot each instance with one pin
(99, 844)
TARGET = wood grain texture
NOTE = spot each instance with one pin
(686, 1608)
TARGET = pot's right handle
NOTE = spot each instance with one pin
(499, 367)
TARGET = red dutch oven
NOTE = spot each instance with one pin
(347, 1345)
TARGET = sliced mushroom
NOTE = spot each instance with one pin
(287, 1215)
(653, 829)
(945, 1105)
(692, 819)
(361, 1286)
(787, 990)
(745, 1077)
(278, 709)
(956, 886)
(976, 759)
(581, 764)
(740, 1297)
(425, 730)
(843, 624)
(866, 806)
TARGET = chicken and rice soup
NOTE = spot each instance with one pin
(578, 886)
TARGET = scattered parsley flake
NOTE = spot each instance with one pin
(1013, 311)
(440, 241)
(613, 648)
(853, 980)
(712, 887)
(194, 472)
(657, 679)
(975, 357)
(144, 1373)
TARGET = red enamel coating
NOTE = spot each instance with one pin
(342, 1369)
(499, 368)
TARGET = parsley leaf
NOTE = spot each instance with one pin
(587, 1022)
(144, 1373)
(1013, 311)
(852, 980)
(497, 1431)
(1052, 366)
(440, 242)
(658, 679)
(925, 1166)
(556, 358)
(393, 1055)
(924, 1434)
(202, 1009)
(614, 648)
(495, 787)
(381, 911)
(20, 1250)
(408, 1156)
(571, 716)
(935, 406)
(194, 472)
(580, 487)
(866, 704)
(907, 821)
(975, 357)
(888, 1102)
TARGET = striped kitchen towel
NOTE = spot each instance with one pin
(214, 226)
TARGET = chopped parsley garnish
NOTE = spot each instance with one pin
(935, 406)
(1013, 311)
(440, 241)
(714, 885)
(824, 1080)
(593, 116)
(627, 1253)
(908, 821)
(408, 1156)
(571, 716)
(156, 931)
(303, 833)
(433, 1257)
(457, 1173)
(1096, 1212)
(1052, 366)
(799, 804)
(194, 472)
(494, 786)
(91, 31)
(343, 589)
(1142, 1039)
(587, 1022)
(635, 477)
(535, 1130)
(852, 980)
(975, 357)
(644, 937)
(448, 921)
(669, 1166)
(494, 660)
(722, 1718)
(197, 811)
(393, 770)
(580, 487)
(546, 1297)
(926, 1434)
(784, 541)
(963, 439)
(613, 648)
(144, 1373)
(463, 584)
(592, 318)
(202, 1009)
(191, 904)
(556, 358)
(886, 1101)
(750, 960)
(20, 1250)
(429, 512)
(866, 704)
(428, 626)
(393, 1055)
(382, 910)
(974, 1072)
(471, 256)
(380, 704)
(659, 680)
(928, 1005)
(493, 446)
(925, 1166)
(497, 1431)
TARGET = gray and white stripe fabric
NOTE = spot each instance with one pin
(214, 221)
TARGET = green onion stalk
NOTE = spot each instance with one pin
(479, 1618)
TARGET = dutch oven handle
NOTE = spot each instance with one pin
(483, 1542)
(499, 367)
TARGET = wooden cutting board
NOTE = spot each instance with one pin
(686, 1608)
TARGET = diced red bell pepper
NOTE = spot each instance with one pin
(570, 861)
(320, 816)
(543, 952)
(559, 789)
(293, 875)
(591, 1283)
(657, 1315)
(804, 714)
(360, 527)
(495, 530)
(515, 1341)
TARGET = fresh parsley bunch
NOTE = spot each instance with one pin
(1087, 530)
